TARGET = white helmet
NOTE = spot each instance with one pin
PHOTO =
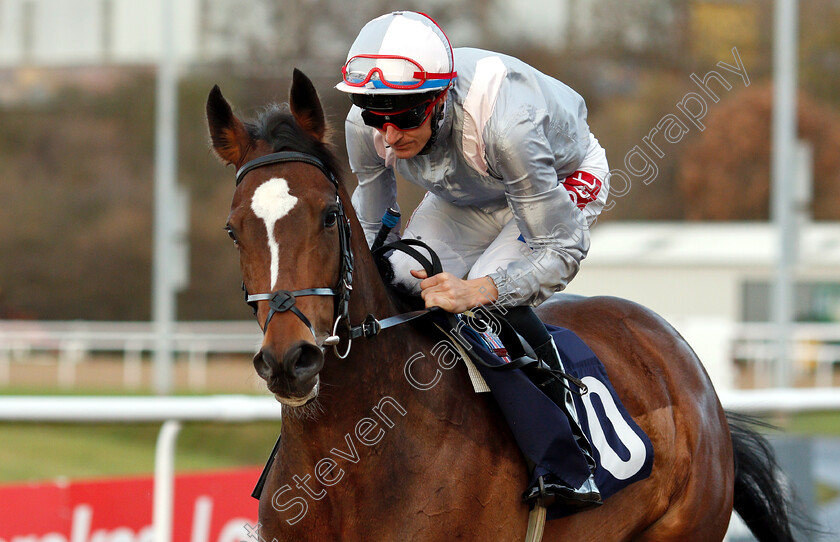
(403, 52)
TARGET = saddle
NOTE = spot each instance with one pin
(622, 451)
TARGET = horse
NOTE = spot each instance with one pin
(368, 454)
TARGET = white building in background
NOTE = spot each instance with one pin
(90, 32)
(45, 43)
(707, 279)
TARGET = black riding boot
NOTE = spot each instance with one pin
(549, 489)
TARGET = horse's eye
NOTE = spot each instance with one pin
(330, 218)
(230, 233)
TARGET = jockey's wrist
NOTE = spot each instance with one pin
(486, 292)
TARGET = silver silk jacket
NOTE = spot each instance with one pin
(509, 136)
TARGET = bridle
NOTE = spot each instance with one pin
(284, 300)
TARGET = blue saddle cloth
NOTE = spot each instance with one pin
(623, 452)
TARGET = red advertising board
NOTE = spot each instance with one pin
(209, 507)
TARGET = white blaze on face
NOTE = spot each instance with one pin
(271, 202)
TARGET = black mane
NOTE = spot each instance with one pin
(277, 126)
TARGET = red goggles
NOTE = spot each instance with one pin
(390, 71)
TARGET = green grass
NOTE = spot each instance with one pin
(44, 451)
(812, 423)
(31, 452)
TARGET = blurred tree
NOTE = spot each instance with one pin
(820, 49)
(269, 38)
(651, 32)
(716, 27)
(76, 243)
(726, 173)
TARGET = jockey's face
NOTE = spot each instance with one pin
(407, 143)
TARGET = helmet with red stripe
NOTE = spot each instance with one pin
(398, 61)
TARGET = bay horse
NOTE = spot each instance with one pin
(368, 454)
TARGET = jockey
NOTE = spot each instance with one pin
(514, 180)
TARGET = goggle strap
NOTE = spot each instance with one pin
(426, 75)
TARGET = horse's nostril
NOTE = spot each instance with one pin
(303, 361)
(264, 363)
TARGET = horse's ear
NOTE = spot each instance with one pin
(229, 136)
(306, 107)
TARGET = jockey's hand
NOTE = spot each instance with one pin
(455, 295)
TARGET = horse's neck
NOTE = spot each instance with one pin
(373, 361)
(369, 296)
(396, 398)
(375, 368)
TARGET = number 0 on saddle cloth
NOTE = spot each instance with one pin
(623, 451)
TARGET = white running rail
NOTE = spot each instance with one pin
(72, 341)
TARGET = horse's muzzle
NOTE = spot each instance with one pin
(293, 380)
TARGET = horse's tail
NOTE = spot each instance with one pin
(760, 498)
